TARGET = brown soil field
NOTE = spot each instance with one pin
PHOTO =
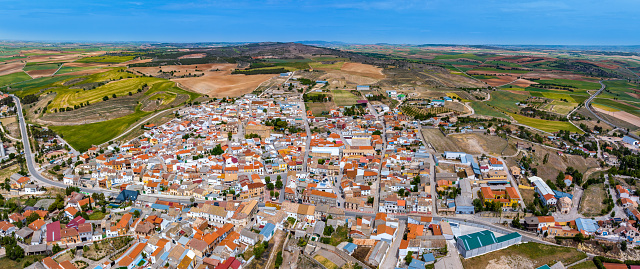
(365, 70)
(41, 73)
(554, 75)
(193, 56)
(10, 68)
(480, 143)
(221, 84)
(347, 77)
(523, 83)
(185, 69)
(497, 81)
(621, 115)
(60, 57)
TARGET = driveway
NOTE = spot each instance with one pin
(392, 255)
(452, 260)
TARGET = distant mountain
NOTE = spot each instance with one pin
(320, 43)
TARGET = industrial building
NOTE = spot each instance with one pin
(483, 242)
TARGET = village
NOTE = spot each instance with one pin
(259, 181)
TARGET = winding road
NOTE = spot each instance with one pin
(587, 104)
(35, 174)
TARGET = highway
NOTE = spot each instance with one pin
(587, 104)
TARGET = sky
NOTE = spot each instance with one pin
(519, 22)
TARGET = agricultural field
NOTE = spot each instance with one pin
(106, 59)
(47, 66)
(617, 105)
(82, 137)
(545, 125)
(481, 108)
(333, 66)
(71, 69)
(525, 255)
(344, 98)
(439, 142)
(318, 108)
(479, 144)
(506, 101)
(13, 78)
(591, 203)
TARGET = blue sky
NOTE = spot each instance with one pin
(571, 22)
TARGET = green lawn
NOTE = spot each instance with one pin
(97, 215)
(588, 264)
(545, 125)
(481, 108)
(81, 137)
(344, 98)
(13, 78)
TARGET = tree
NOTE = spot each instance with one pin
(377, 132)
(328, 230)
(136, 214)
(279, 177)
(56, 249)
(14, 251)
(279, 184)
(623, 245)
(270, 186)
(370, 200)
(277, 194)
(409, 257)
(278, 259)
(401, 192)
(33, 217)
(267, 179)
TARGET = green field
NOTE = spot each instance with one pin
(166, 97)
(500, 70)
(170, 86)
(70, 97)
(115, 74)
(572, 83)
(67, 69)
(502, 63)
(344, 98)
(621, 90)
(81, 137)
(106, 59)
(545, 125)
(335, 66)
(506, 100)
(32, 67)
(483, 109)
(459, 56)
(617, 105)
(13, 78)
(4, 59)
(35, 85)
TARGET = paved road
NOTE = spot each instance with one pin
(452, 260)
(587, 104)
(35, 174)
(391, 258)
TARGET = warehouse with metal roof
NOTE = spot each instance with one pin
(482, 242)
